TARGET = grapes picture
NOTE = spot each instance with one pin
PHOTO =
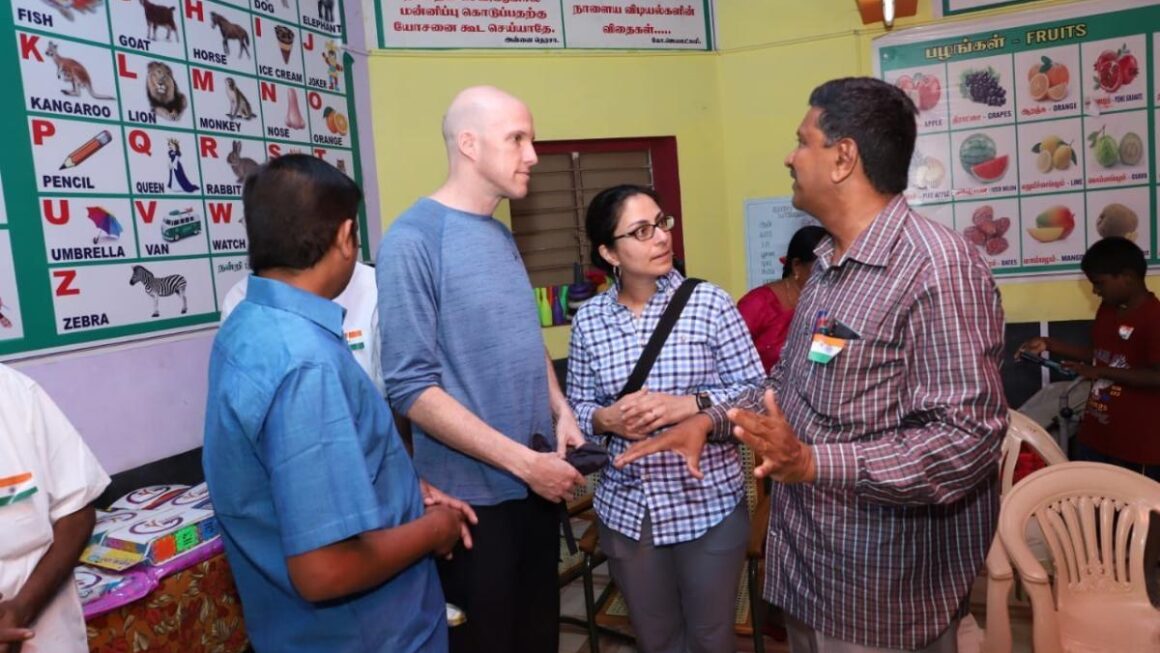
(982, 86)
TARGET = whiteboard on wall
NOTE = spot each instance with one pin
(770, 222)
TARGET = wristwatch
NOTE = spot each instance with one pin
(704, 401)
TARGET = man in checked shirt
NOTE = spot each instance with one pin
(883, 419)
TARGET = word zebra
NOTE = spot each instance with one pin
(155, 287)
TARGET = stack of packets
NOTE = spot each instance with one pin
(144, 536)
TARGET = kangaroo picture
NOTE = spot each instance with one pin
(73, 72)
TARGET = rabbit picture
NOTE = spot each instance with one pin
(243, 166)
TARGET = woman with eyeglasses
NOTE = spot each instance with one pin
(675, 544)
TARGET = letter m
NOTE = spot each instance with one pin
(203, 80)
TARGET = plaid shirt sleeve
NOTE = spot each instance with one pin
(955, 401)
(581, 381)
(738, 364)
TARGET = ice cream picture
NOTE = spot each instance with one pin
(285, 41)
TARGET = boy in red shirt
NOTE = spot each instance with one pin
(1119, 425)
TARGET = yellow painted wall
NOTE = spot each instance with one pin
(572, 95)
(733, 112)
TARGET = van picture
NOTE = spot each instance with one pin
(180, 224)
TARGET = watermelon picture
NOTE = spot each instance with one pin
(989, 171)
(979, 157)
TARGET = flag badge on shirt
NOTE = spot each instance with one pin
(16, 488)
(355, 339)
(1126, 331)
(824, 348)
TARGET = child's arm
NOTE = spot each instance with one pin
(374, 557)
(1038, 345)
(1139, 378)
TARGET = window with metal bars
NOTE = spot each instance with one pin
(548, 223)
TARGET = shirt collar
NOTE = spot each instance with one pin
(667, 284)
(284, 297)
(874, 244)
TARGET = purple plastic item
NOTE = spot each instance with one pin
(136, 586)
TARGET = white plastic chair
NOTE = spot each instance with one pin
(1000, 578)
(1095, 521)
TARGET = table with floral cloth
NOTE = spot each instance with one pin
(192, 611)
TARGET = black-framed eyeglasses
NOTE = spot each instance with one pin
(646, 231)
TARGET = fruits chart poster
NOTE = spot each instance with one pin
(1037, 131)
(131, 126)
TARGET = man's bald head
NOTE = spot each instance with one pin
(473, 108)
(489, 136)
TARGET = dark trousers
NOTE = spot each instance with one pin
(1084, 452)
(507, 583)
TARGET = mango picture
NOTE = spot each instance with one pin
(1056, 223)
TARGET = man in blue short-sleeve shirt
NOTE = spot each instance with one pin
(322, 513)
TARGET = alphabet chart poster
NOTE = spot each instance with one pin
(1037, 131)
(132, 125)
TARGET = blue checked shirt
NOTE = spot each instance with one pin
(708, 350)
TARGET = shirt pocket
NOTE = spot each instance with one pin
(861, 383)
(687, 361)
(25, 524)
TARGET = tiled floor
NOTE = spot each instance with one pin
(574, 639)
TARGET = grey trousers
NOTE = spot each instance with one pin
(681, 597)
(803, 639)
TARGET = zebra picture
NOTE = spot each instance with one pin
(156, 287)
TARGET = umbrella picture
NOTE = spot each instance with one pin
(106, 222)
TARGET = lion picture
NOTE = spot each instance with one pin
(166, 100)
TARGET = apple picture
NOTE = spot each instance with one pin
(924, 90)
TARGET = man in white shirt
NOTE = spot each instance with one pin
(48, 481)
(361, 324)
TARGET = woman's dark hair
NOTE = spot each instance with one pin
(294, 205)
(604, 214)
(801, 248)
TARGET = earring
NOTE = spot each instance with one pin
(616, 273)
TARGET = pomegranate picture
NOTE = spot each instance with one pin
(1114, 69)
